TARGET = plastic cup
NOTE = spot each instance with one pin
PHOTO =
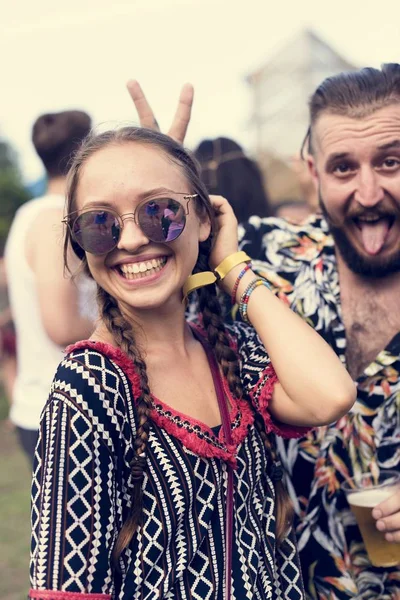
(363, 494)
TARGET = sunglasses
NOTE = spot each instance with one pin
(98, 230)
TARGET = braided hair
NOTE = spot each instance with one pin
(213, 323)
(123, 333)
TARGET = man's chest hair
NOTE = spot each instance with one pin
(370, 325)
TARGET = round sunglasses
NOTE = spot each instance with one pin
(98, 230)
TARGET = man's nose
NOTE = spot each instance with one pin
(369, 191)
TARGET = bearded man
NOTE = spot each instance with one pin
(341, 273)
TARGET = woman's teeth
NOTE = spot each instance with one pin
(138, 270)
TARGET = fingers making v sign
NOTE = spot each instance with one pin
(181, 119)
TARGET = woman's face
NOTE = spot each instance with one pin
(138, 273)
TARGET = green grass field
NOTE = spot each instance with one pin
(15, 480)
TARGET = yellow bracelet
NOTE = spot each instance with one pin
(198, 280)
(231, 261)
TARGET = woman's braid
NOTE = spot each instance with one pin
(210, 309)
(122, 333)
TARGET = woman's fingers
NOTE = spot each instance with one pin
(222, 207)
(143, 108)
(146, 116)
(181, 119)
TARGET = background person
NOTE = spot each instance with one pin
(226, 170)
(341, 273)
(48, 309)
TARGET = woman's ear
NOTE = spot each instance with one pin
(204, 229)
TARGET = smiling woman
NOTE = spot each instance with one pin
(155, 460)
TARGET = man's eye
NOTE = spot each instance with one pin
(342, 169)
(391, 163)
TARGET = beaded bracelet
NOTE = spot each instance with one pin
(235, 287)
(244, 300)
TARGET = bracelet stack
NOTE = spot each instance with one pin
(244, 300)
(235, 287)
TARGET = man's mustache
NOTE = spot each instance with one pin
(376, 212)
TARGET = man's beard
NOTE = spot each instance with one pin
(367, 266)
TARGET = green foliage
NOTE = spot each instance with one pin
(12, 191)
(8, 157)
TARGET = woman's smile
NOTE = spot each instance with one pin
(144, 270)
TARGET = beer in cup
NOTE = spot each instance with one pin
(363, 494)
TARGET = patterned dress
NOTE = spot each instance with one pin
(299, 262)
(81, 489)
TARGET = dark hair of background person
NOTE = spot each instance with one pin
(227, 171)
(123, 333)
(356, 95)
(57, 136)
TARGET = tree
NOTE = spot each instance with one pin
(12, 191)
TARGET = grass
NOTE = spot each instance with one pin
(15, 480)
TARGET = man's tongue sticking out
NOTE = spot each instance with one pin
(373, 235)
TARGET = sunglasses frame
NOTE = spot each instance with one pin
(71, 222)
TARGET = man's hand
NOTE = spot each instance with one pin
(387, 514)
(181, 120)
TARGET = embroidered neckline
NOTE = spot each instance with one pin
(194, 434)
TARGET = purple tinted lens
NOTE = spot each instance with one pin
(97, 231)
(162, 219)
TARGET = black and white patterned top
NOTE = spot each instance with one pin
(81, 490)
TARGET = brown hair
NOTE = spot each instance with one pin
(356, 94)
(124, 335)
(56, 136)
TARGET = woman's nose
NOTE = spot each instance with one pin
(132, 237)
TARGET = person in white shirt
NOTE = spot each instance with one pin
(50, 309)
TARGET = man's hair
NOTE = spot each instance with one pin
(56, 137)
(356, 94)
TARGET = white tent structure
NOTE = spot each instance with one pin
(281, 90)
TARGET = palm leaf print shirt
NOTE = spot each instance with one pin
(299, 262)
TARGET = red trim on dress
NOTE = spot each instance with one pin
(191, 440)
(261, 396)
(115, 354)
(58, 595)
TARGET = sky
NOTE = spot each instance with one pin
(79, 54)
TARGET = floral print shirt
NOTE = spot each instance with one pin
(299, 262)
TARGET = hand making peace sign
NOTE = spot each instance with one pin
(181, 120)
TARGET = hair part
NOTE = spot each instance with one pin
(355, 95)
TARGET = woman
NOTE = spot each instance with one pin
(156, 476)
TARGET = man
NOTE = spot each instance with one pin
(341, 272)
(46, 305)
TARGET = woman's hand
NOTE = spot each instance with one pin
(181, 120)
(226, 238)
